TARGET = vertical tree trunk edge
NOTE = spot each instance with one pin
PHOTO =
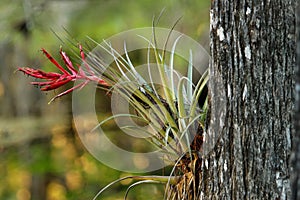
(296, 140)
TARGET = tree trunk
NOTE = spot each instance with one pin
(296, 139)
(253, 54)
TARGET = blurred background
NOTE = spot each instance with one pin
(41, 157)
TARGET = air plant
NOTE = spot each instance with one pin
(176, 108)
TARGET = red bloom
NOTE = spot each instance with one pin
(55, 80)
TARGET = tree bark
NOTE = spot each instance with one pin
(253, 54)
(296, 139)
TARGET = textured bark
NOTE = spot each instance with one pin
(296, 139)
(253, 54)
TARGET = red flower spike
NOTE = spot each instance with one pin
(53, 80)
(68, 62)
(54, 62)
(39, 73)
(55, 84)
(83, 59)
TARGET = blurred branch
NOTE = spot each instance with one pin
(22, 129)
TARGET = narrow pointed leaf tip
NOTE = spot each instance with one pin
(53, 80)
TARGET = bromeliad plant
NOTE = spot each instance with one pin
(176, 109)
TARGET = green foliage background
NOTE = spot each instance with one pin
(41, 156)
